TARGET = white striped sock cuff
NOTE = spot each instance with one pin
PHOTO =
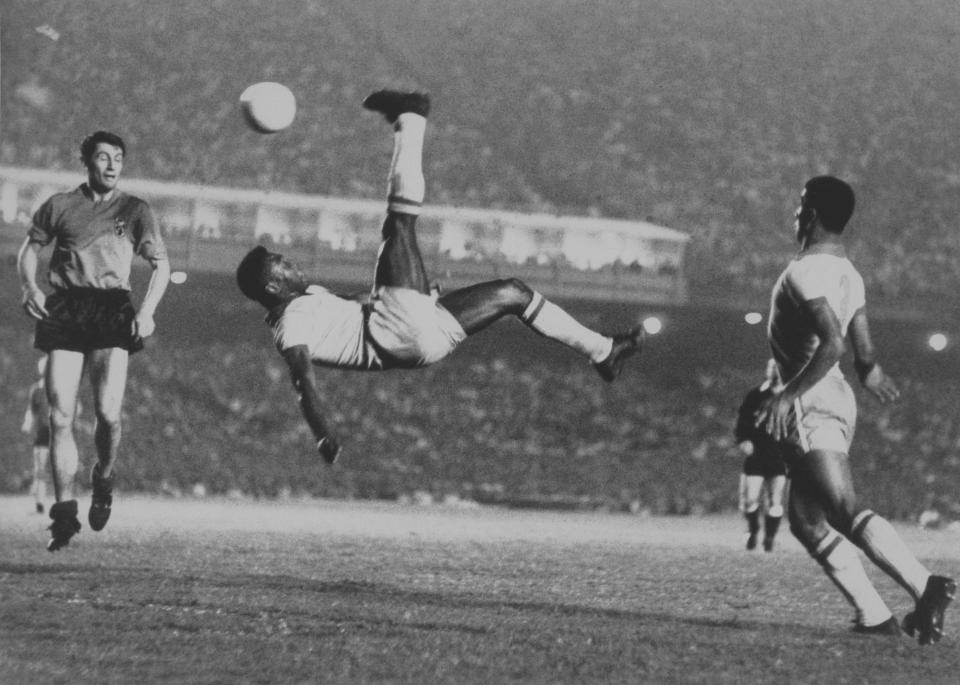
(402, 205)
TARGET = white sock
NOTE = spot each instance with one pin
(878, 539)
(406, 186)
(839, 560)
(553, 322)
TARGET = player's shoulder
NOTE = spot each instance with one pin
(133, 203)
(819, 266)
(64, 198)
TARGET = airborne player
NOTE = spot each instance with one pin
(403, 324)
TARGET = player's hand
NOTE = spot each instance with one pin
(746, 448)
(775, 415)
(329, 449)
(34, 304)
(143, 325)
(881, 385)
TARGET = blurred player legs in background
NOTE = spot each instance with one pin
(763, 477)
(36, 422)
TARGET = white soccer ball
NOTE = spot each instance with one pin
(268, 107)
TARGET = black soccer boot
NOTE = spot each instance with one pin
(101, 500)
(888, 627)
(625, 345)
(65, 524)
(392, 103)
(926, 620)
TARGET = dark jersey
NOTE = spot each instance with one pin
(94, 243)
(767, 458)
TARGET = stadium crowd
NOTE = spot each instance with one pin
(684, 126)
(503, 421)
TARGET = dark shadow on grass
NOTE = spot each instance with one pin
(328, 590)
(460, 600)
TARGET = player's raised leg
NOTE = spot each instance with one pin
(480, 305)
(63, 375)
(399, 263)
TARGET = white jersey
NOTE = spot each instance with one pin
(396, 328)
(331, 327)
(793, 340)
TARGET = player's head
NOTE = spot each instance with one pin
(268, 277)
(829, 201)
(102, 154)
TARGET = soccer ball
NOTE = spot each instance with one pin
(268, 107)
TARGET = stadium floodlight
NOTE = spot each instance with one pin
(753, 318)
(938, 342)
(652, 325)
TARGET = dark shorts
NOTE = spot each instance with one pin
(84, 319)
(764, 465)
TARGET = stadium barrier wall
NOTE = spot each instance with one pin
(209, 228)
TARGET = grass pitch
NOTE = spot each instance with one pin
(216, 591)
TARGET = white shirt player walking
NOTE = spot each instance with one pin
(817, 303)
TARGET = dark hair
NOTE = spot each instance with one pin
(833, 201)
(251, 273)
(89, 143)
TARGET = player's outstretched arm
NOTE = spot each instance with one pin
(871, 375)
(305, 383)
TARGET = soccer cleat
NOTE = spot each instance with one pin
(625, 345)
(39, 507)
(751, 541)
(101, 500)
(65, 524)
(392, 103)
(768, 544)
(926, 620)
(888, 627)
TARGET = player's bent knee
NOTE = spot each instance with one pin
(516, 290)
(60, 421)
(808, 536)
(775, 511)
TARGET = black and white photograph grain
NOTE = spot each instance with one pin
(479, 342)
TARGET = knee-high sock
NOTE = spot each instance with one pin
(753, 520)
(771, 524)
(879, 541)
(406, 186)
(839, 560)
(551, 321)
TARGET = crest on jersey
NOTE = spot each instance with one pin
(119, 226)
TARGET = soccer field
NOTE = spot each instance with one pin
(218, 591)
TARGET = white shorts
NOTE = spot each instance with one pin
(826, 417)
(410, 328)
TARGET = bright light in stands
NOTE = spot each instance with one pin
(178, 277)
(652, 325)
(937, 342)
(753, 318)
